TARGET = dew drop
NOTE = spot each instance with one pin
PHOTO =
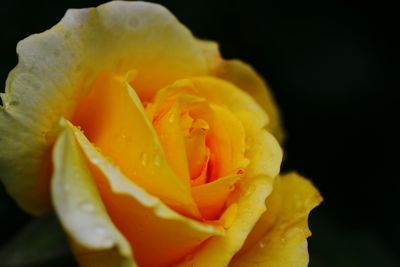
(248, 146)
(171, 118)
(157, 160)
(144, 158)
(67, 187)
(232, 187)
(261, 244)
(298, 204)
(86, 206)
(249, 143)
(250, 190)
(99, 230)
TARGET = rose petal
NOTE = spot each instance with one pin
(280, 236)
(57, 67)
(80, 208)
(169, 130)
(246, 78)
(251, 205)
(114, 119)
(262, 149)
(211, 197)
(226, 140)
(151, 227)
(228, 95)
(264, 153)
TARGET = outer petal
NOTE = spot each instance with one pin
(246, 78)
(279, 238)
(151, 227)
(82, 213)
(251, 205)
(57, 67)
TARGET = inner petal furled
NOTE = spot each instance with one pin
(197, 151)
(214, 144)
(168, 127)
(226, 140)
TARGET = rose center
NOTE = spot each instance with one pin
(200, 146)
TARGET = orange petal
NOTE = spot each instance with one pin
(250, 206)
(197, 152)
(169, 130)
(211, 197)
(115, 121)
(158, 235)
(226, 140)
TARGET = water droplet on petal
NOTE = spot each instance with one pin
(157, 160)
(261, 244)
(67, 187)
(171, 118)
(99, 230)
(87, 206)
(144, 158)
(250, 190)
(232, 187)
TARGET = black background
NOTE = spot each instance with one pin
(331, 67)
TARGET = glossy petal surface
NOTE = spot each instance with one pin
(151, 227)
(279, 238)
(81, 210)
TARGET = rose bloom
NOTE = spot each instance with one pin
(151, 148)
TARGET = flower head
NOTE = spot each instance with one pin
(152, 149)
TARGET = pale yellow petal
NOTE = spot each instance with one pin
(151, 227)
(211, 53)
(25, 167)
(80, 208)
(279, 238)
(56, 68)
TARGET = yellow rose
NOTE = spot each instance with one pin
(152, 149)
